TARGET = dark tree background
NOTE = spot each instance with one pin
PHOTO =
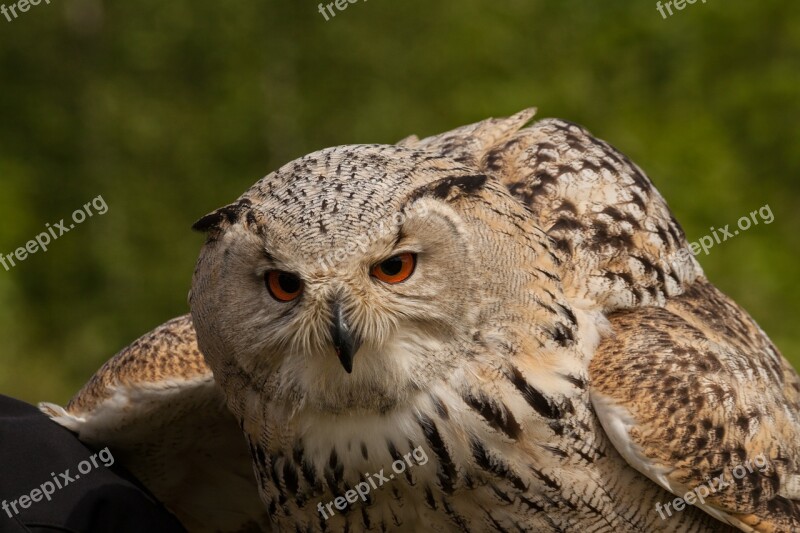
(169, 109)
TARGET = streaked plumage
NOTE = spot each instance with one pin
(557, 353)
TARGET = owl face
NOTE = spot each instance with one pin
(345, 280)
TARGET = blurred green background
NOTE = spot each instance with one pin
(169, 109)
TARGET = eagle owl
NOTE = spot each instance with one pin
(499, 328)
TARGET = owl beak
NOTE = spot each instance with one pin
(345, 342)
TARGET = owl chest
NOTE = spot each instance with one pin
(407, 471)
(354, 474)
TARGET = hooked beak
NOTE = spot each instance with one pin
(345, 342)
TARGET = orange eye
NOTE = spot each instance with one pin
(283, 286)
(395, 269)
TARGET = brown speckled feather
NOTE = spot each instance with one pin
(708, 393)
(166, 355)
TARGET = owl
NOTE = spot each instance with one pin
(499, 328)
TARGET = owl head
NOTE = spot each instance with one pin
(356, 276)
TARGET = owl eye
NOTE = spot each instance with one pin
(395, 269)
(283, 286)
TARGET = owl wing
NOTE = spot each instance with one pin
(696, 397)
(155, 405)
(687, 387)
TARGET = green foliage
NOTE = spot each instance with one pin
(171, 109)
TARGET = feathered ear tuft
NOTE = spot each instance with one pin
(222, 217)
(408, 142)
(470, 143)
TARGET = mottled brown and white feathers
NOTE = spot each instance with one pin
(557, 354)
(697, 376)
(623, 245)
(155, 405)
(709, 399)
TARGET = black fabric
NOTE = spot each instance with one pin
(34, 450)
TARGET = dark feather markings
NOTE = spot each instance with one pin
(441, 408)
(455, 517)
(496, 414)
(495, 465)
(540, 403)
(229, 214)
(334, 471)
(429, 499)
(445, 469)
(397, 457)
(451, 187)
(290, 478)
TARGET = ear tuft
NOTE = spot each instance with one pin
(470, 143)
(223, 217)
(408, 142)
